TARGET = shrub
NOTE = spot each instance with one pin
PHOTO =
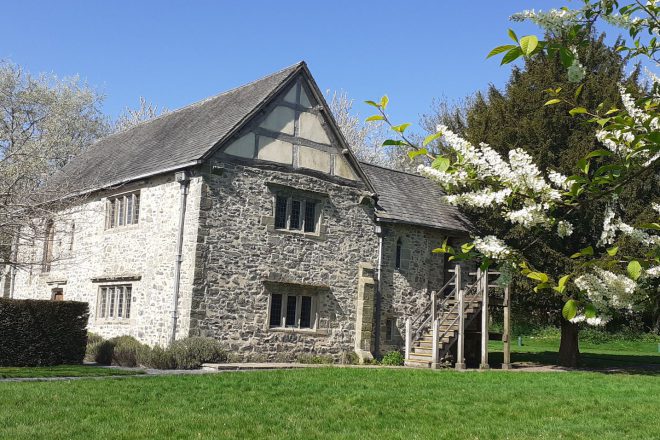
(156, 357)
(93, 343)
(393, 358)
(191, 353)
(93, 338)
(127, 350)
(38, 332)
(103, 352)
(350, 358)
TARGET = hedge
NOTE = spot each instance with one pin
(36, 332)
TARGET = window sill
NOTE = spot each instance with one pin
(311, 235)
(303, 331)
(113, 322)
(118, 229)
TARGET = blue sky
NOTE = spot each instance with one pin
(175, 53)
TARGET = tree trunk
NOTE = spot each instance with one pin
(569, 351)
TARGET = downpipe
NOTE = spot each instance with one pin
(184, 181)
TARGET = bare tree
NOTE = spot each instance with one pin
(44, 122)
(365, 138)
(131, 117)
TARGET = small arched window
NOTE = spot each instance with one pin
(397, 255)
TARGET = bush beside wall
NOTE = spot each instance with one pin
(37, 332)
(184, 354)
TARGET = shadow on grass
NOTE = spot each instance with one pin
(598, 362)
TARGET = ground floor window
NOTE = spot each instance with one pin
(114, 302)
(292, 311)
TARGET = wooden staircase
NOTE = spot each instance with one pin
(423, 350)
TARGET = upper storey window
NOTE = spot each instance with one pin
(296, 214)
(122, 210)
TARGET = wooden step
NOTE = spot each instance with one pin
(423, 350)
(420, 357)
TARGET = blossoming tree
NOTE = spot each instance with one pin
(546, 201)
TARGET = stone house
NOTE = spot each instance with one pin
(247, 218)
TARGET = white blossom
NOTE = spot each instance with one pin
(559, 180)
(564, 229)
(528, 216)
(492, 247)
(605, 288)
(652, 272)
(609, 229)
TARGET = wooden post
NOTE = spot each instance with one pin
(408, 338)
(506, 336)
(484, 321)
(433, 306)
(434, 345)
(460, 344)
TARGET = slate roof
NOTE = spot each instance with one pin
(412, 199)
(171, 141)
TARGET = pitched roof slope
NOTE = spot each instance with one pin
(169, 141)
(409, 198)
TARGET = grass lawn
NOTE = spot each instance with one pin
(337, 403)
(543, 350)
(63, 371)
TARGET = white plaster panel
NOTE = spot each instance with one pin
(311, 128)
(242, 147)
(280, 119)
(313, 159)
(275, 150)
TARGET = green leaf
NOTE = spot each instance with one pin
(383, 102)
(538, 276)
(528, 44)
(511, 55)
(513, 35)
(566, 57)
(467, 247)
(561, 285)
(612, 251)
(414, 153)
(441, 163)
(542, 286)
(598, 153)
(577, 111)
(578, 91)
(634, 269)
(375, 118)
(400, 128)
(431, 138)
(610, 111)
(583, 165)
(500, 49)
(389, 142)
(590, 311)
(569, 310)
(655, 226)
(589, 250)
(372, 103)
(553, 101)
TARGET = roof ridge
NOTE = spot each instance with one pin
(205, 100)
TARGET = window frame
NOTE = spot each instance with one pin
(117, 210)
(302, 215)
(286, 298)
(114, 303)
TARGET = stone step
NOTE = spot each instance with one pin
(417, 364)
